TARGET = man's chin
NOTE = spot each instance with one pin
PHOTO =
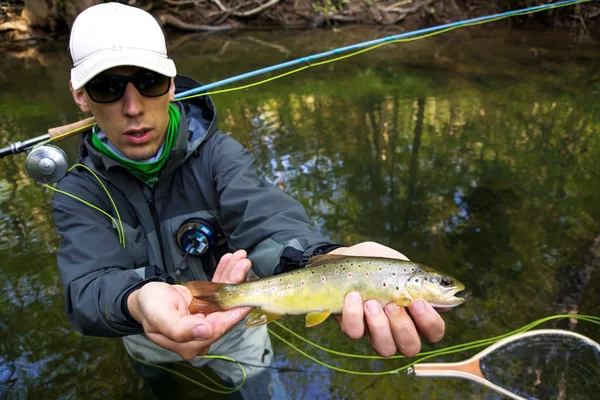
(139, 154)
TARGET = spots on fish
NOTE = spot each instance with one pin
(366, 273)
(312, 272)
(384, 284)
(229, 294)
(393, 274)
(289, 286)
(322, 279)
(273, 289)
(337, 272)
(350, 275)
(302, 282)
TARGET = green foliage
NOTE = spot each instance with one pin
(329, 7)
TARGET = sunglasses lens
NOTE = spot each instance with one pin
(106, 88)
(151, 84)
(109, 88)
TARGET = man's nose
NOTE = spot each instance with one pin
(133, 104)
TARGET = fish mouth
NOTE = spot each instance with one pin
(449, 299)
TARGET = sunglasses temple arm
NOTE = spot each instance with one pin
(468, 369)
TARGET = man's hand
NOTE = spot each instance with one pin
(392, 328)
(162, 309)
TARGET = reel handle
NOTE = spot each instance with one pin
(59, 133)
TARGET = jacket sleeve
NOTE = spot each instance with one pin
(96, 271)
(258, 216)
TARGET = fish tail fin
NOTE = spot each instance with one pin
(206, 296)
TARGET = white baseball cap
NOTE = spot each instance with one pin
(113, 34)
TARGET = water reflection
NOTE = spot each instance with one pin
(475, 152)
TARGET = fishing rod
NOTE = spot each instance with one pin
(47, 163)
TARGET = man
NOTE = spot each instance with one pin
(151, 173)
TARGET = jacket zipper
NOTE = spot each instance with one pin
(156, 221)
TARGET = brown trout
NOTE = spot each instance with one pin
(319, 289)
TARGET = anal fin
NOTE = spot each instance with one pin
(259, 316)
(316, 317)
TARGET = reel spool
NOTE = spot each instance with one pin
(196, 237)
(47, 163)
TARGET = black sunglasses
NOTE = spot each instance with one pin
(109, 88)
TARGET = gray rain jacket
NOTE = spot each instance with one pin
(209, 175)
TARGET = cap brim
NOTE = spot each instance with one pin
(101, 61)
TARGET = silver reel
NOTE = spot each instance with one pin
(47, 163)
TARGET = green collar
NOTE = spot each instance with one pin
(148, 171)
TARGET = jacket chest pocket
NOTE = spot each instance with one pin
(137, 245)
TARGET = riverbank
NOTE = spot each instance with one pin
(28, 23)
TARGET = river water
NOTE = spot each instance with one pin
(475, 152)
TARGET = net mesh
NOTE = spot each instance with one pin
(546, 366)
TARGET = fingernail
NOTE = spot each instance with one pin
(201, 332)
(392, 309)
(373, 307)
(417, 306)
(353, 296)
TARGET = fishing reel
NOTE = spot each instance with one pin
(47, 163)
(196, 237)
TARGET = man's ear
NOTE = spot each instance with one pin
(172, 90)
(80, 99)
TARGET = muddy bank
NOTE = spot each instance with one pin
(28, 23)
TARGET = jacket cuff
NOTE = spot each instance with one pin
(292, 258)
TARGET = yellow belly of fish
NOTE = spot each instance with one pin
(316, 299)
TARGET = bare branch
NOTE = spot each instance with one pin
(277, 47)
(168, 19)
(18, 25)
(256, 10)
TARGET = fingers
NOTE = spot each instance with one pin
(187, 350)
(192, 335)
(182, 329)
(427, 320)
(380, 335)
(232, 268)
(225, 320)
(404, 332)
(391, 329)
(352, 316)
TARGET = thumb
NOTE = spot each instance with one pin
(185, 328)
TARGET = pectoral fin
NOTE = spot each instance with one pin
(258, 317)
(315, 318)
(401, 300)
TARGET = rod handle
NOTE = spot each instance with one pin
(66, 131)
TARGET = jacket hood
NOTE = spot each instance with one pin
(198, 123)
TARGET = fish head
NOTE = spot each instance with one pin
(436, 288)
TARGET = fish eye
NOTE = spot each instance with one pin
(446, 281)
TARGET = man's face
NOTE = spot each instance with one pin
(134, 124)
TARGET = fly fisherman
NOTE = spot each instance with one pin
(153, 172)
